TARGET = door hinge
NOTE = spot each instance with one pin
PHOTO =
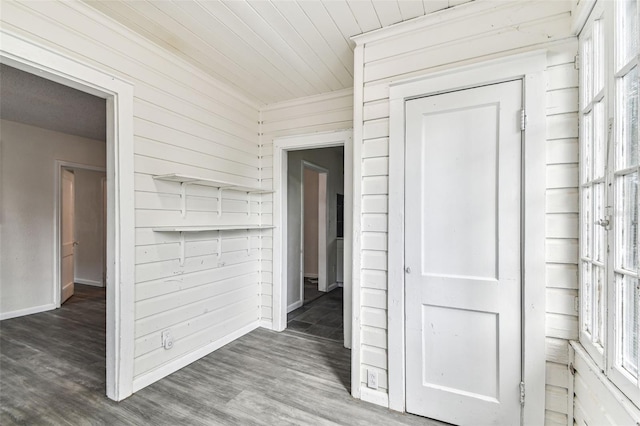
(572, 369)
(523, 120)
(576, 62)
(521, 393)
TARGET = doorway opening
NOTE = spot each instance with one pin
(315, 179)
(313, 214)
(323, 157)
(116, 96)
(82, 227)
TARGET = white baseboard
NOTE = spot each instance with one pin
(88, 282)
(295, 305)
(374, 396)
(27, 311)
(187, 359)
(309, 275)
(266, 323)
(332, 286)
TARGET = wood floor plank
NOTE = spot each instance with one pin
(52, 372)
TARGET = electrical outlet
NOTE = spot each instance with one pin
(167, 339)
(372, 379)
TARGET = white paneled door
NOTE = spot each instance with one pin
(68, 234)
(463, 255)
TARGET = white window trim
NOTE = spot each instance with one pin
(530, 67)
(589, 347)
(605, 360)
(26, 55)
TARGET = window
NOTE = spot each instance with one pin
(609, 213)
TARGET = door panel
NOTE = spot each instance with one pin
(67, 234)
(462, 245)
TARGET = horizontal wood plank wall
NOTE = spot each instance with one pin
(506, 28)
(597, 400)
(184, 122)
(322, 113)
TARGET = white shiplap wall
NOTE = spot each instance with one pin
(597, 400)
(322, 113)
(459, 36)
(184, 122)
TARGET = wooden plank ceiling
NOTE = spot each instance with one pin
(269, 50)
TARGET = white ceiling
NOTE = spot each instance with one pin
(269, 50)
(29, 99)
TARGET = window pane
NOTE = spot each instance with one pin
(599, 232)
(587, 71)
(599, 142)
(628, 118)
(599, 304)
(627, 35)
(587, 221)
(587, 299)
(587, 149)
(598, 57)
(629, 312)
(627, 218)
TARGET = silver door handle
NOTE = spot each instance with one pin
(603, 222)
(407, 270)
(75, 243)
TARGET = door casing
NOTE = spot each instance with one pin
(57, 214)
(22, 53)
(281, 146)
(530, 68)
(323, 174)
(67, 208)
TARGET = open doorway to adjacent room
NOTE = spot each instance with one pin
(315, 181)
(319, 168)
(54, 205)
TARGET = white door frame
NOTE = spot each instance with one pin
(19, 52)
(530, 68)
(323, 284)
(281, 147)
(57, 221)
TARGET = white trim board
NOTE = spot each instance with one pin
(27, 311)
(177, 364)
(93, 283)
(55, 65)
(295, 305)
(281, 146)
(530, 68)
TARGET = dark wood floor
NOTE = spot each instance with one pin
(322, 317)
(52, 373)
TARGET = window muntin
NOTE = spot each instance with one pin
(593, 189)
(610, 192)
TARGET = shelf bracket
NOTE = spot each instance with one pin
(220, 201)
(183, 198)
(248, 242)
(249, 204)
(182, 250)
(219, 253)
